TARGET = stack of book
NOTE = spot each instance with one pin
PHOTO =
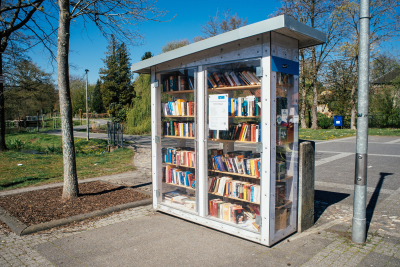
(181, 129)
(280, 196)
(226, 186)
(246, 131)
(179, 156)
(177, 83)
(235, 162)
(232, 78)
(226, 211)
(180, 198)
(173, 175)
(179, 107)
(244, 106)
(234, 212)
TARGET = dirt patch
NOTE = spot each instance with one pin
(33, 140)
(345, 235)
(47, 205)
(4, 228)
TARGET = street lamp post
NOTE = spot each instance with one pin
(87, 106)
(359, 227)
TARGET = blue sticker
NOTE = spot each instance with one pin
(284, 65)
(221, 97)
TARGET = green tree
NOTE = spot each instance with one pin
(385, 91)
(138, 118)
(117, 90)
(29, 89)
(147, 55)
(77, 87)
(96, 103)
(169, 46)
(14, 17)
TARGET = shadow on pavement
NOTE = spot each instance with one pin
(103, 192)
(374, 198)
(323, 199)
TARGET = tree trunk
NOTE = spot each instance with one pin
(70, 189)
(3, 146)
(42, 119)
(353, 108)
(309, 118)
(303, 92)
(314, 125)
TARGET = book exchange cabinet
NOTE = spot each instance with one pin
(225, 122)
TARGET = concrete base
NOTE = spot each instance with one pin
(306, 186)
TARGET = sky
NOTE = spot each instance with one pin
(88, 47)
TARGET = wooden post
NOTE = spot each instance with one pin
(37, 120)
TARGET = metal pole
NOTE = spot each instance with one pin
(87, 106)
(359, 231)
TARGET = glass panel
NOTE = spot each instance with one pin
(286, 150)
(178, 124)
(233, 164)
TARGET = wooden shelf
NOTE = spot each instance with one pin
(234, 198)
(234, 88)
(231, 141)
(287, 203)
(178, 185)
(177, 137)
(244, 116)
(178, 165)
(179, 92)
(177, 116)
(287, 177)
(284, 85)
(237, 174)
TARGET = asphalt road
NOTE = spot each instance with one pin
(335, 165)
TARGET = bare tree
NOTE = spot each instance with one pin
(112, 17)
(384, 26)
(326, 16)
(221, 23)
(14, 14)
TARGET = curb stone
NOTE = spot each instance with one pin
(16, 225)
(21, 229)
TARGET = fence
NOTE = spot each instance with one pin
(95, 115)
(115, 134)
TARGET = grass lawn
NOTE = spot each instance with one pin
(326, 134)
(384, 131)
(36, 169)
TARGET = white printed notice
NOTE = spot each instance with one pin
(218, 112)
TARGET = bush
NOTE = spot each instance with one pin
(325, 122)
(15, 143)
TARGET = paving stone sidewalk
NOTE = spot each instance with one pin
(326, 244)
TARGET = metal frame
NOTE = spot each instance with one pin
(265, 140)
(155, 139)
(260, 45)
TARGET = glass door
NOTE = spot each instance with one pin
(234, 129)
(178, 123)
(284, 184)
